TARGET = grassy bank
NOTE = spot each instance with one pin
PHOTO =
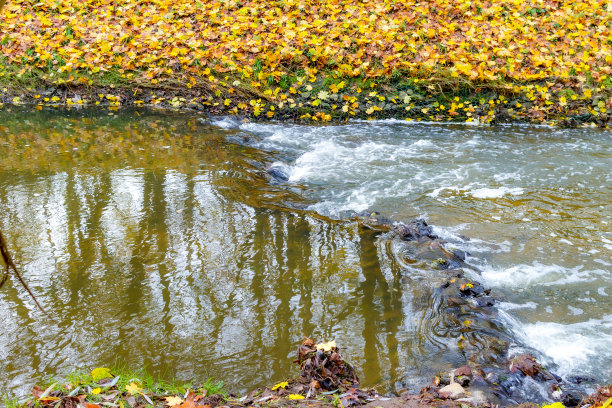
(318, 61)
(117, 387)
(122, 388)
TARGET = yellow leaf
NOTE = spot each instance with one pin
(133, 388)
(100, 373)
(172, 401)
(96, 390)
(283, 384)
(607, 403)
(295, 397)
(554, 405)
(329, 346)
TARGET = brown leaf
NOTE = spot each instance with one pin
(526, 364)
(36, 392)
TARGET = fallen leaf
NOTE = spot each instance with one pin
(295, 397)
(172, 401)
(554, 405)
(45, 399)
(283, 384)
(607, 403)
(329, 346)
(100, 373)
(133, 388)
(48, 390)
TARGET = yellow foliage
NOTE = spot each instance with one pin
(283, 384)
(100, 373)
(523, 40)
(133, 388)
(329, 346)
(172, 401)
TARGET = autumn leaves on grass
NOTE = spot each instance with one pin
(259, 57)
(261, 41)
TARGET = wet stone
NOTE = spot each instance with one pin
(415, 230)
(452, 391)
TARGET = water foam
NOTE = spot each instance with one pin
(575, 348)
(495, 192)
(539, 274)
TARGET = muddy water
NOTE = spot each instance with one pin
(156, 241)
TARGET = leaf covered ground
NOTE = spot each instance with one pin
(318, 60)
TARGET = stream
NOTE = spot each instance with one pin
(212, 249)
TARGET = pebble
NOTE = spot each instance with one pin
(452, 391)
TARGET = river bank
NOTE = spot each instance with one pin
(443, 61)
(573, 105)
(326, 381)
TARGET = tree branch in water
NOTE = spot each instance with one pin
(10, 265)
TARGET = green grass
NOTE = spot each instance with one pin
(155, 385)
(9, 402)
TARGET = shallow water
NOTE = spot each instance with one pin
(157, 241)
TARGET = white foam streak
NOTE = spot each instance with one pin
(538, 274)
(495, 192)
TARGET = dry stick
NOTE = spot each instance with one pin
(6, 257)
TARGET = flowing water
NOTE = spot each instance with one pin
(157, 241)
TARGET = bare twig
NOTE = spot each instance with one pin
(8, 261)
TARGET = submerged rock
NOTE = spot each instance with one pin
(204, 121)
(279, 171)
